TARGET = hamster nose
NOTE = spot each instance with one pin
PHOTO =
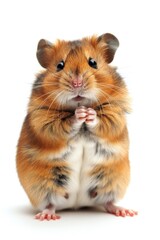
(77, 82)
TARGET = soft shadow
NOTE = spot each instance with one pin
(24, 210)
(30, 211)
(83, 211)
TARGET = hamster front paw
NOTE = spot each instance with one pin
(47, 214)
(119, 211)
(87, 115)
(81, 114)
(91, 118)
(79, 117)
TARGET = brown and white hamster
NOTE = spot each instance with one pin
(73, 147)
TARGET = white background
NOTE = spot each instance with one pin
(137, 26)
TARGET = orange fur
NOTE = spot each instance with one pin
(49, 121)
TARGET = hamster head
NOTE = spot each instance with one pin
(78, 72)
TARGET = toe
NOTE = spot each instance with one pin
(42, 217)
(123, 213)
(117, 213)
(49, 217)
(37, 216)
(130, 213)
(55, 217)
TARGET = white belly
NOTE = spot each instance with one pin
(81, 160)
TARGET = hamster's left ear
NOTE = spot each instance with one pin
(44, 52)
(112, 44)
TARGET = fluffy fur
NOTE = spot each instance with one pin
(73, 147)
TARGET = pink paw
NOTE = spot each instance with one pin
(87, 115)
(80, 114)
(47, 214)
(91, 117)
(119, 211)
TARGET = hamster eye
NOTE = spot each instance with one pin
(60, 65)
(92, 63)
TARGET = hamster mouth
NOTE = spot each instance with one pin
(78, 98)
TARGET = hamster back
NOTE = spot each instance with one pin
(73, 147)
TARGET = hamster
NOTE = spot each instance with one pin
(73, 148)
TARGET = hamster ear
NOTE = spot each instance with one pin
(44, 53)
(112, 44)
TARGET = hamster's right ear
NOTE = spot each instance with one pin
(44, 53)
(112, 44)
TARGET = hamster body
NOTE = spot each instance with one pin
(73, 147)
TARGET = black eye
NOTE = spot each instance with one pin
(92, 63)
(60, 65)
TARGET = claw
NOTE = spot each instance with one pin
(47, 214)
(119, 211)
(48, 217)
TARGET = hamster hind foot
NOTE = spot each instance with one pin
(47, 214)
(119, 211)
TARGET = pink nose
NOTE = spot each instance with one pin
(77, 82)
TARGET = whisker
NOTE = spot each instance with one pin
(113, 101)
(109, 100)
(66, 84)
(44, 85)
(117, 87)
(100, 108)
(57, 95)
(35, 99)
(67, 74)
(42, 104)
(119, 91)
